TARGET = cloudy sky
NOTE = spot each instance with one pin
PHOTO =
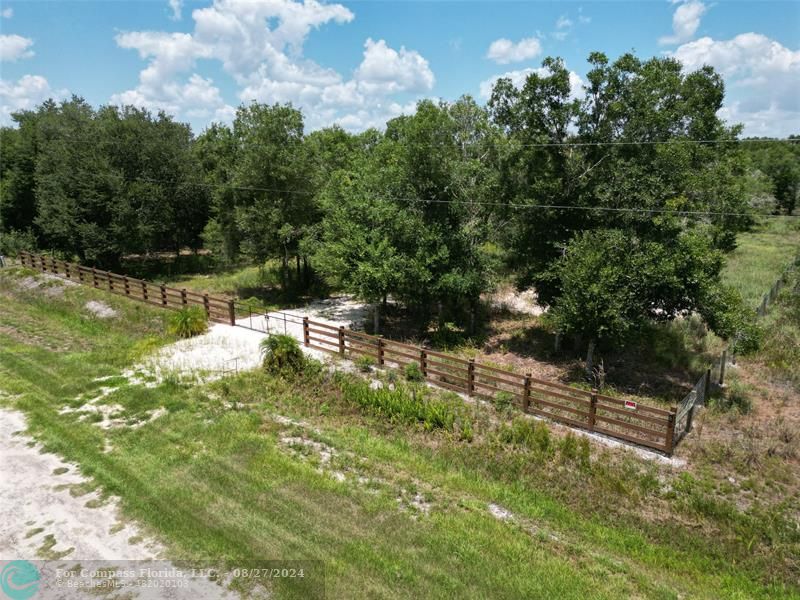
(359, 63)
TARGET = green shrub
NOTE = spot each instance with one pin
(413, 373)
(11, 242)
(520, 432)
(365, 363)
(407, 406)
(735, 398)
(503, 401)
(188, 322)
(282, 353)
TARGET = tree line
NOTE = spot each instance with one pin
(618, 206)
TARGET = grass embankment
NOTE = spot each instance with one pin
(761, 256)
(392, 508)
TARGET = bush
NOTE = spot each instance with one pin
(413, 373)
(365, 363)
(11, 242)
(503, 401)
(401, 406)
(727, 316)
(281, 354)
(188, 322)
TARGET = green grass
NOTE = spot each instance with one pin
(761, 256)
(222, 486)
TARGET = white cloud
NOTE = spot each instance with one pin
(24, 94)
(519, 77)
(260, 46)
(504, 51)
(685, 22)
(385, 71)
(761, 75)
(176, 6)
(583, 19)
(563, 22)
(13, 47)
(7, 13)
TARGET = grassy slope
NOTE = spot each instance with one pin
(216, 485)
(761, 256)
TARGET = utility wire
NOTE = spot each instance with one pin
(471, 202)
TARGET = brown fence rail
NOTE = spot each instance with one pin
(218, 310)
(622, 419)
(630, 421)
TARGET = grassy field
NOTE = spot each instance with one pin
(263, 467)
(761, 256)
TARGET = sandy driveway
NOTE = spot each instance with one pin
(41, 518)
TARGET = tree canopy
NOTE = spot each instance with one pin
(617, 202)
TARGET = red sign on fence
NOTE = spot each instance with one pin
(630, 404)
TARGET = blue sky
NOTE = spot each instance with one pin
(360, 63)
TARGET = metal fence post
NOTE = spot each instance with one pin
(306, 340)
(706, 386)
(722, 362)
(341, 340)
(471, 377)
(592, 409)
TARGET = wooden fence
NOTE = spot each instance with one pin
(219, 310)
(623, 419)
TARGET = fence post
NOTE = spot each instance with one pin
(80, 273)
(306, 340)
(144, 291)
(423, 362)
(592, 409)
(722, 362)
(126, 285)
(205, 305)
(669, 445)
(66, 270)
(689, 420)
(526, 394)
(341, 340)
(94, 277)
(380, 351)
(232, 314)
(707, 386)
(184, 301)
(471, 377)
(110, 281)
(163, 294)
(42, 264)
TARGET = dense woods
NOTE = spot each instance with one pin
(618, 206)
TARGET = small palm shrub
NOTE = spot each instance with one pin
(365, 363)
(188, 322)
(413, 373)
(282, 353)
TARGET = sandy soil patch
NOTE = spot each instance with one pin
(101, 310)
(510, 300)
(41, 516)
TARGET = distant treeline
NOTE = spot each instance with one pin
(618, 206)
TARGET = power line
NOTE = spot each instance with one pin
(468, 203)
